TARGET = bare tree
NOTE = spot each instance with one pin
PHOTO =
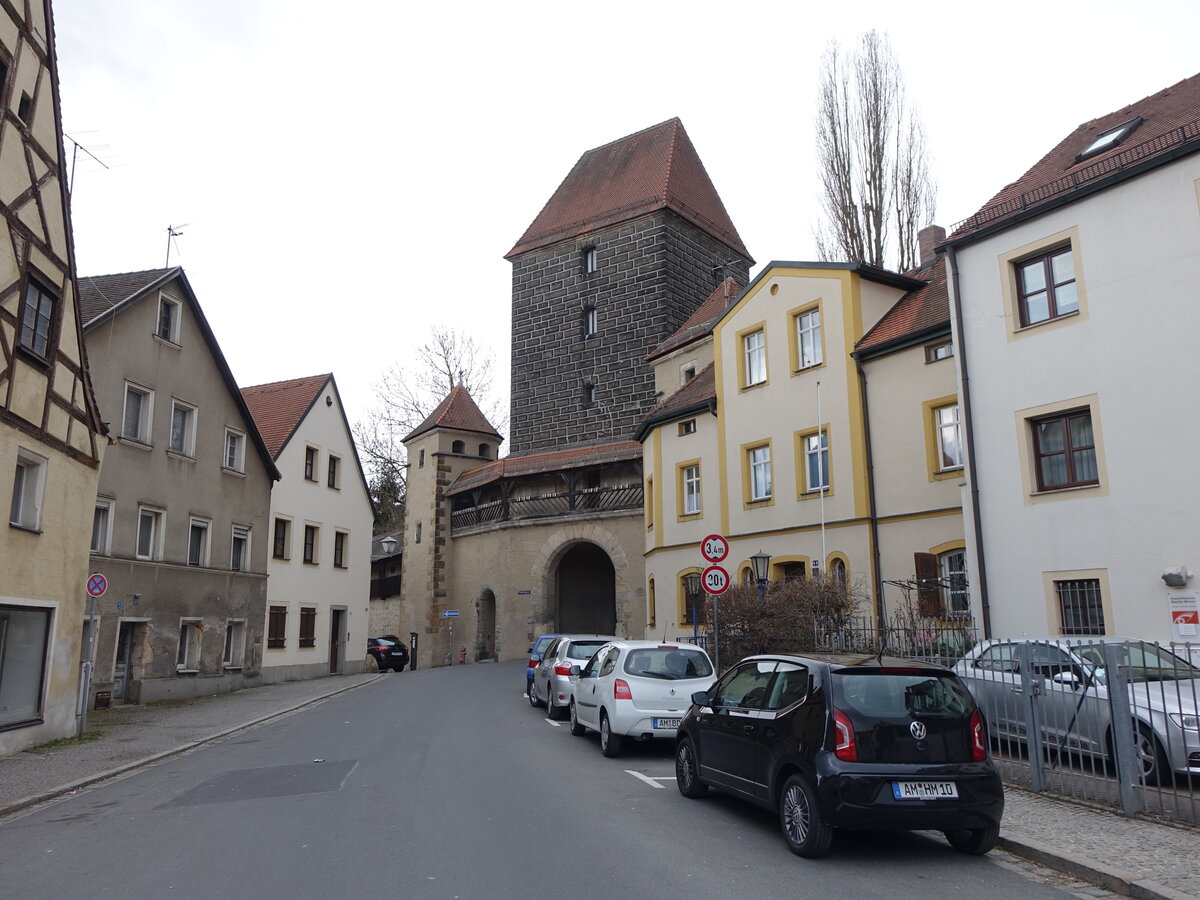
(406, 395)
(876, 188)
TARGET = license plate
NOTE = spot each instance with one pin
(666, 723)
(924, 790)
(397, 653)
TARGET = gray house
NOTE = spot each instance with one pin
(182, 513)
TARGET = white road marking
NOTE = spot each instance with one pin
(653, 782)
(555, 724)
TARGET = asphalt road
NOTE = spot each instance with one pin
(444, 783)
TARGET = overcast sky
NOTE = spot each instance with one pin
(347, 176)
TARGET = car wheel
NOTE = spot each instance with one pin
(576, 728)
(1151, 760)
(533, 700)
(552, 711)
(975, 841)
(804, 828)
(610, 744)
(687, 777)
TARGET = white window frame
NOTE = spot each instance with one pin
(239, 451)
(589, 322)
(201, 558)
(816, 449)
(754, 348)
(590, 262)
(158, 519)
(808, 339)
(947, 570)
(146, 414)
(240, 533)
(187, 654)
(167, 301)
(344, 538)
(102, 541)
(29, 490)
(336, 462)
(235, 644)
(186, 446)
(947, 421)
(315, 558)
(760, 473)
(691, 489)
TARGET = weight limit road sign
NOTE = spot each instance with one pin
(716, 580)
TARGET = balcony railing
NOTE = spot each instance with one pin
(548, 506)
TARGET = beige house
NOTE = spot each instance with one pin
(51, 439)
(180, 525)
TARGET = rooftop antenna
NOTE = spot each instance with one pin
(173, 231)
(76, 147)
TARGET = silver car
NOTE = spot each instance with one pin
(552, 678)
(1071, 698)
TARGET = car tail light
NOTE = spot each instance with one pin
(533, 663)
(562, 670)
(845, 748)
(979, 750)
(621, 690)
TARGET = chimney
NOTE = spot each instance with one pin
(928, 238)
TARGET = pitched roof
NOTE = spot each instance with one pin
(458, 412)
(700, 322)
(1170, 127)
(917, 312)
(654, 169)
(100, 294)
(697, 395)
(279, 407)
(551, 461)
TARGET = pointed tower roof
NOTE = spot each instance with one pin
(279, 407)
(458, 412)
(654, 169)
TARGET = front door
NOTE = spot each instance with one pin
(336, 640)
(121, 669)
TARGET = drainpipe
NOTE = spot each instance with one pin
(873, 519)
(960, 352)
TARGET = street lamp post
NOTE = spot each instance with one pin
(761, 563)
(691, 589)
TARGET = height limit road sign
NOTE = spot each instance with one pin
(97, 584)
(714, 548)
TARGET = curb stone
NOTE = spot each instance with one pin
(1085, 869)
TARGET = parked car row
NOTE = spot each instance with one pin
(826, 742)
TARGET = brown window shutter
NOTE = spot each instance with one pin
(929, 594)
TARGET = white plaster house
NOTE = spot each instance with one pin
(1075, 324)
(319, 556)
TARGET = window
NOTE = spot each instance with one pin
(311, 535)
(183, 428)
(334, 477)
(949, 437)
(282, 545)
(690, 480)
(687, 426)
(310, 463)
(759, 459)
(589, 261)
(691, 596)
(187, 659)
(1064, 449)
(421, 459)
(198, 542)
(25, 107)
(24, 639)
(1106, 140)
(808, 339)
(102, 527)
(417, 537)
(277, 627)
(589, 321)
(239, 554)
(791, 571)
(485, 450)
(589, 395)
(139, 411)
(235, 450)
(1081, 606)
(838, 570)
(952, 567)
(308, 626)
(29, 485)
(168, 319)
(339, 549)
(235, 643)
(816, 461)
(649, 503)
(37, 315)
(687, 373)
(458, 447)
(934, 352)
(1046, 286)
(754, 358)
(150, 533)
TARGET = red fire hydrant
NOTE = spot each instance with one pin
(462, 656)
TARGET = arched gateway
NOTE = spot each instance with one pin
(585, 590)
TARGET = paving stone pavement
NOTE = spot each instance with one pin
(1134, 857)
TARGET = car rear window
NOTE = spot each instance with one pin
(583, 649)
(885, 694)
(668, 662)
(542, 643)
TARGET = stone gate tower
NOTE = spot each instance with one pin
(630, 243)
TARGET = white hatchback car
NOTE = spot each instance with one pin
(637, 689)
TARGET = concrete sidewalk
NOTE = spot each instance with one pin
(1134, 857)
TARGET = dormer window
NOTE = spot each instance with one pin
(1106, 140)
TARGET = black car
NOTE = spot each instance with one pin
(859, 742)
(388, 653)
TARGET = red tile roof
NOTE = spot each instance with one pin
(551, 461)
(279, 407)
(916, 311)
(459, 412)
(1171, 118)
(654, 169)
(698, 325)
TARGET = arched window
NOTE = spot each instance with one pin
(484, 450)
(838, 569)
(458, 447)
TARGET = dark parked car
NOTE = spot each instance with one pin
(845, 742)
(388, 653)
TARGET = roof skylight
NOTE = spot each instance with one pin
(1106, 140)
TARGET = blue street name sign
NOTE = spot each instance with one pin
(449, 613)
